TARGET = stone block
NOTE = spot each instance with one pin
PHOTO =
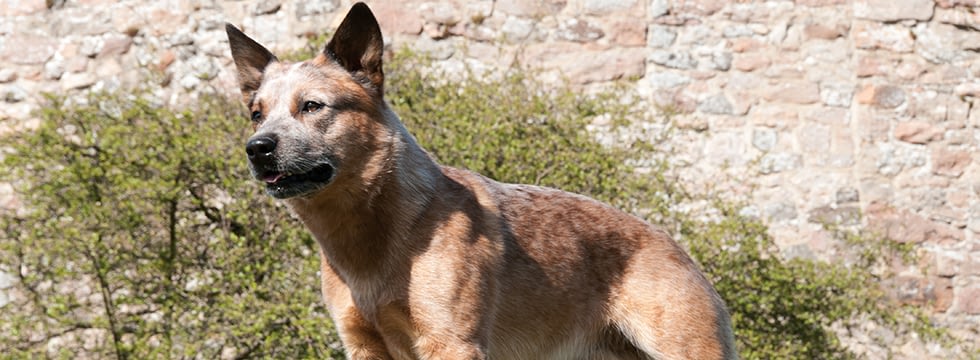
(920, 291)
(587, 66)
(868, 66)
(674, 59)
(320, 7)
(794, 92)
(626, 32)
(115, 45)
(917, 132)
(773, 163)
(893, 10)
(751, 62)
(7, 75)
(605, 7)
(950, 163)
(891, 37)
(971, 89)
(528, 8)
(719, 60)
(22, 7)
(716, 104)
(579, 30)
(943, 43)
(667, 80)
(968, 300)
(819, 31)
(960, 16)
(883, 96)
(741, 45)
(76, 81)
(27, 49)
(267, 7)
(394, 19)
(658, 8)
(907, 227)
(698, 8)
(660, 36)
(946, 4)
(819, 3)
(764, 139)
(837, 95)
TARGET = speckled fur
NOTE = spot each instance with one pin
(422, 261)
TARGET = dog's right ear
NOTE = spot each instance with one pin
(251, 59)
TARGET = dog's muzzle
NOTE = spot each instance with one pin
(286, 179)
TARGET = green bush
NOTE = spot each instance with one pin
(144, 232)
(144, 236)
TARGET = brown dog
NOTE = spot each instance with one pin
(422, 261)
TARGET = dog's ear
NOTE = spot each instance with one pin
(251, 59)
(358, 45)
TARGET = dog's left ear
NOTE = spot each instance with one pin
(358, 45)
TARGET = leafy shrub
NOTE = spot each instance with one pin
(144, 239)
(143, 232)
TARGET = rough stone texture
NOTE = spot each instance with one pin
(27, 49)
(682, 60)
(796, 93)
(830, 108)
(660, 36)
(819, 31)
(950, 163)
(22, 7)
(893, 10)
(944, 43)
(882, 96)
(917, 132)
(873, 35)
(751, 62)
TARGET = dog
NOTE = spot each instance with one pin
(423, 261)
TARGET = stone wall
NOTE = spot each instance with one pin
(815, 110)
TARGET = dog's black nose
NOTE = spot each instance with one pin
(260, 147)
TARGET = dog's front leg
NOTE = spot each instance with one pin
(361, 340)
(434, 348)
(453, 306)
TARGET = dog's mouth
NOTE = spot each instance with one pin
(287, 184)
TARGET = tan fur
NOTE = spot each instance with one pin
(422, 261)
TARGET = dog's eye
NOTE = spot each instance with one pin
(311, 106)
(256, 116)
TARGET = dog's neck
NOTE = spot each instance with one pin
(364, 229)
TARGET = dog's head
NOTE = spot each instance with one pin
(316, 122)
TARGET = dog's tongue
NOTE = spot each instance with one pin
(272, 178)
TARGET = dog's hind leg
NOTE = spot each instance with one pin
(613, 345)
(668, 310)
